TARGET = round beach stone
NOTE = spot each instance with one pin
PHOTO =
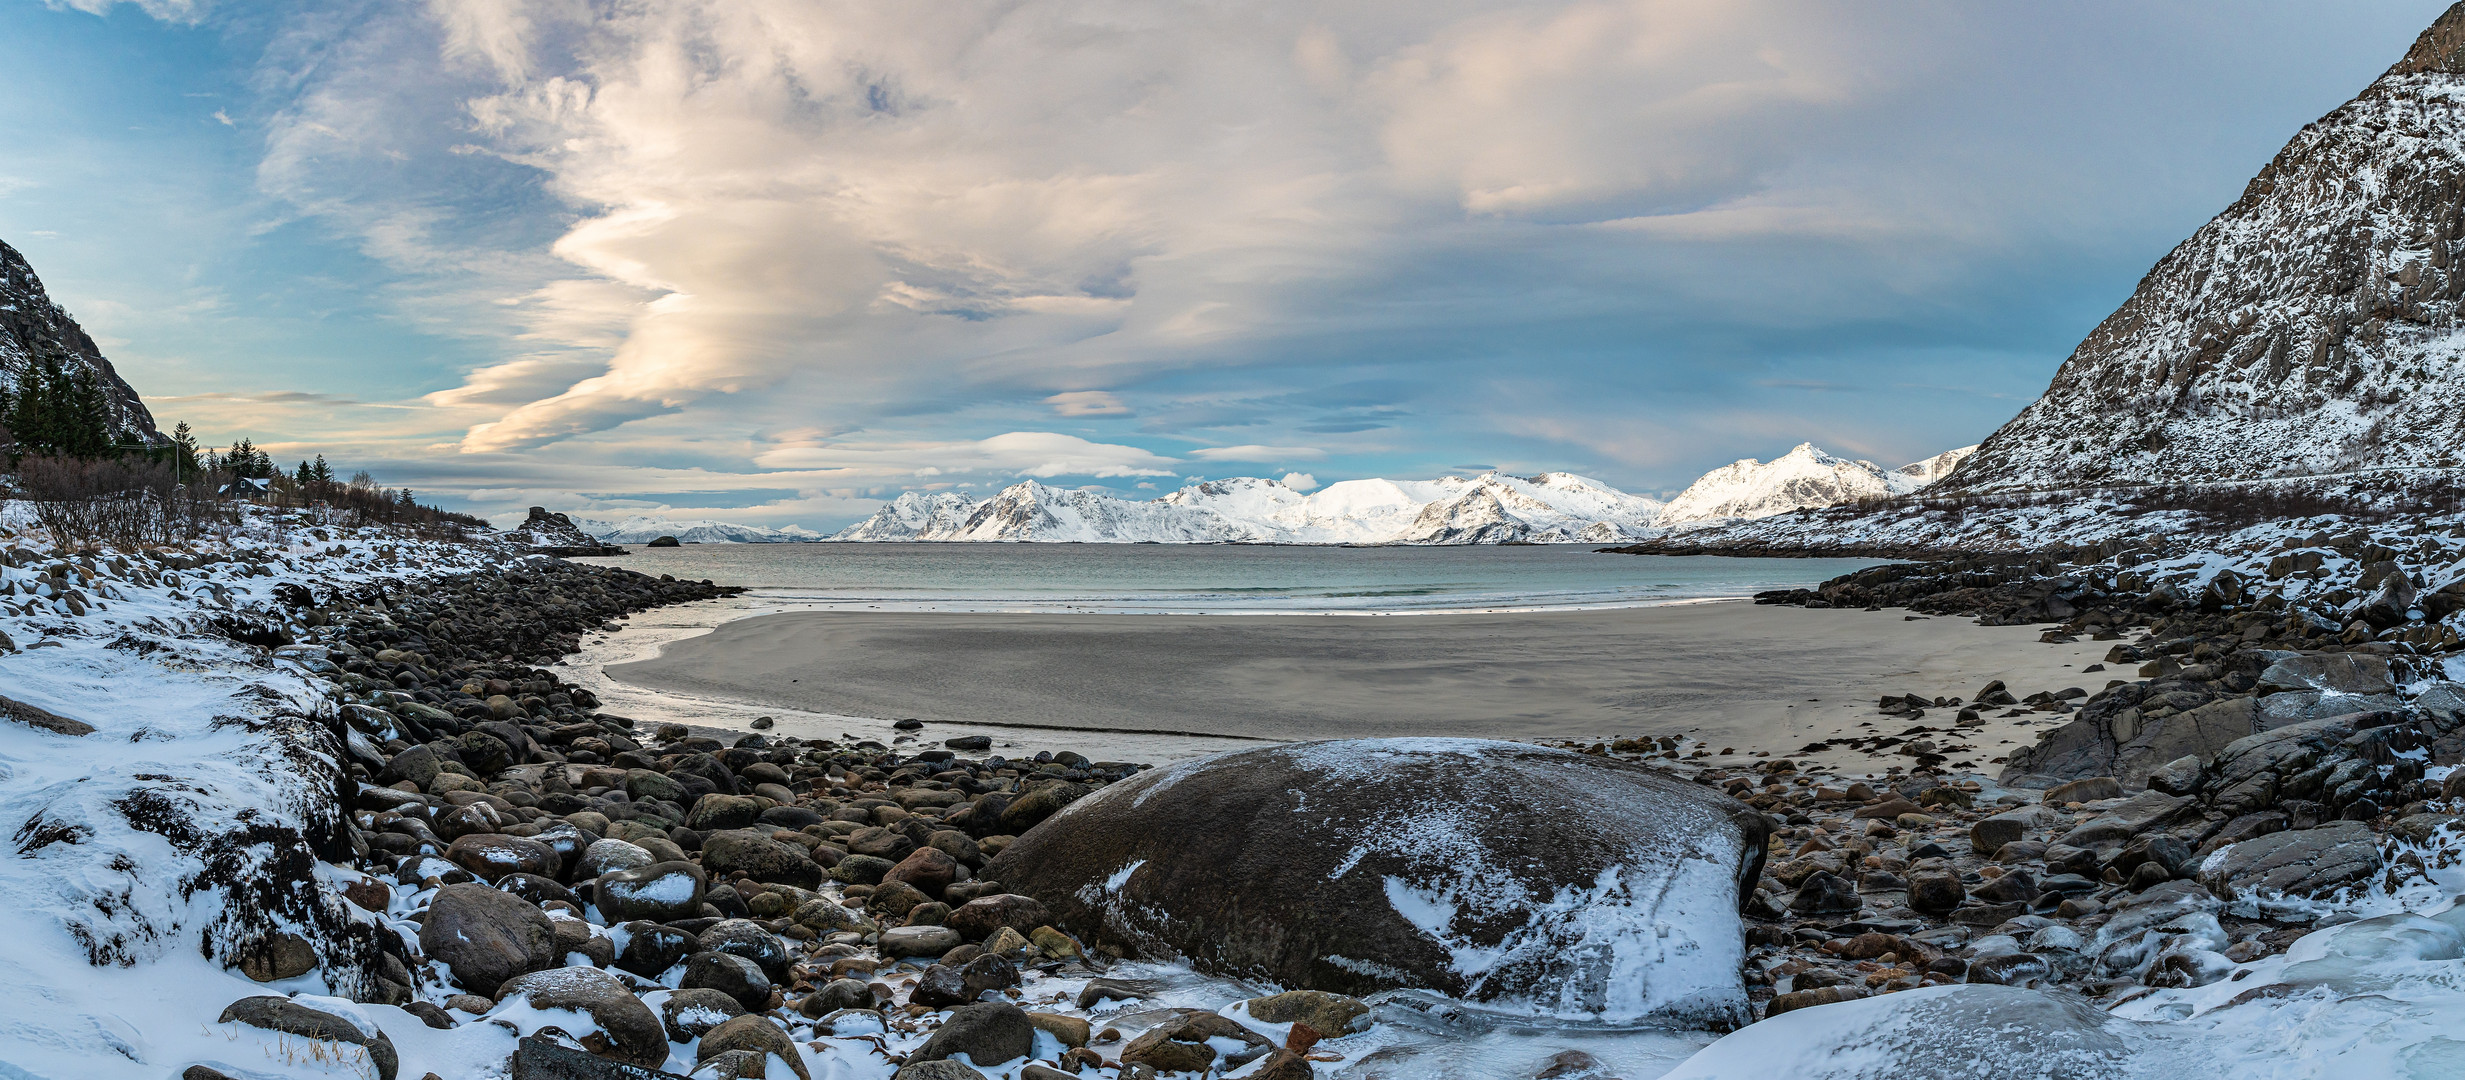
(650, 949)
(756, 1033)
(1482, 870)
(714, 812)
(730, 852)
(484, 937)
(905, 941)
(628, 1031)
(979, 918)
(608, 856)
(929, 870)
(691, 1012)
(660, 892)
(989, 1034)
(732, 975)
(748, 939)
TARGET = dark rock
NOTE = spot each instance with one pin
(1184, 1043)
(728, 974)
(485, 937)
(538, 1057)
(2015, 886)
(940, 987)
(759, 1034)
(977, 919)
(628, 1031)
(930, 870)
(651, 949)
(1325, 841)
(989, 1033)
(727, 853)
(1936, 893)
(2300, 864)
(690, 1012)
(292, 1018)
(2340, 673)
(1823, 893)
(661, 893)
(1330, 1015)
(751, 940)
(2090, 789)
(714, 812)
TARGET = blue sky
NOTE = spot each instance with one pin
(772, 261)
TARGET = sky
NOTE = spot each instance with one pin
(773, 261)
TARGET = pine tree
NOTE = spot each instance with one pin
(184, 451)
(302, 476)
(321, 472)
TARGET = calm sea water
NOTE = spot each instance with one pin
(1219, 578)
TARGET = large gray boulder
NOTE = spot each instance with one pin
(289, 1017)
(2303, 863)
(627, 1029)
(484, 937)
(1481, 870)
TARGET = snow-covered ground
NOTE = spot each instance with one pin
(1803, 477)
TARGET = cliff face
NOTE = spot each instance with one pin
(32, 327)
(2312, 328)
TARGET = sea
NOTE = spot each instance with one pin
(1220, 578)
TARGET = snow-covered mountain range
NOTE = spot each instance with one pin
(1492, 508)
(2311, 328)
(1803, 477)
(642, 529)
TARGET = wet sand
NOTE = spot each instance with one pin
(1729, 674)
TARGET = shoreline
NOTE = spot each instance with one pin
(1716, 675)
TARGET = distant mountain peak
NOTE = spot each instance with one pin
(1806, 476)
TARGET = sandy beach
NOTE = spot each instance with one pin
(1729, 674)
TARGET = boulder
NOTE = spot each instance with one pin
(484, 937)
(759, 1034)
(929, 870)
(281, 1014)
(489, 856)
(729, 852)
(661, 893)
(608, 856)
(2087, 789)
(714, 812)
(1188, 1043)
(628, 1031)
(689, 1013)
(651, 949)
(979, 918)
(905, 941)
(988, 1034)
(728, 974)
(751, 940)
(1482, 870)
(1330, 1015)
(2303, 863)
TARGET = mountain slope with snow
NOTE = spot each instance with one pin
(642, 529)
(33, 329)
(1802, 478)
(2312, 328)
(1487, 509)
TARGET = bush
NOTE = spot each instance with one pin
(124, 501)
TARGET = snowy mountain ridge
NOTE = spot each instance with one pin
(642, 529)
(1490, 508)
(1802, 478)
(2312, 328)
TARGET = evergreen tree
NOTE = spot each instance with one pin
(184, 451)
(321, 472)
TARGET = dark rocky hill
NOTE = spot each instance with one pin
(2311, 329)
(32, 327)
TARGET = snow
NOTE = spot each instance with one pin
(1485, 509)
(642, 529)
(1803, 477)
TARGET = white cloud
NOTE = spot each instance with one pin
(1040, 454)
(1087, 403)
(1259, 453)
(1300, 481)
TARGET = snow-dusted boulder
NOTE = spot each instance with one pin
(1939, 1031)
(1532, 878)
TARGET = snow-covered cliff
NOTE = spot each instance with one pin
(33, 328)
(2311, 328)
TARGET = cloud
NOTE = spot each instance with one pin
(1299, 481)
(1087, 403)
(1040, 454)
(1259, 453)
